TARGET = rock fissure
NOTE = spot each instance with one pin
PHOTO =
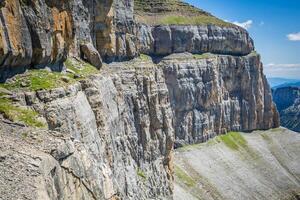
(81, 181)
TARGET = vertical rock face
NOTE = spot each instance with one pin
(215, 95)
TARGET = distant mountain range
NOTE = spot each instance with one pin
(277, 82)
(286, 95)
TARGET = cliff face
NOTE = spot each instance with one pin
(108, 137)
(44, 33)
(109, 134)
(214, 95)
(287, 100)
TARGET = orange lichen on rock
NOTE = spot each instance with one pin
(12, 14)
(63, 33)
(3, 43)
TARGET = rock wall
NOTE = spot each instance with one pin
(219, 94)
(108, 137)
(43, 33)
(168, 39)
(111, 136)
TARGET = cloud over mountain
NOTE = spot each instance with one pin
(294, 36)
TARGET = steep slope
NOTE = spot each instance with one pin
(173, 12)
(109, 133)
(287, 100)
(260, 165)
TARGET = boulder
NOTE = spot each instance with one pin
(91, 54)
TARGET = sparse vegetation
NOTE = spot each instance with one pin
(34, 80)
(43, 79)
(173, 12)
(233, 140)
(19, 114)
(145, 57)
(183, 177)
(82, 69)
(141, 173)
(193, 20)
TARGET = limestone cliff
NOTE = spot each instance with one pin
(44, 33)
(71, 131)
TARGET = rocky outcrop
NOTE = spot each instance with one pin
(92, 55)
(287, 100)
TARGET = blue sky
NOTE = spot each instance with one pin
(273, 24)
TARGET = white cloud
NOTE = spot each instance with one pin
(294, 36)
(283, 70)
(246, 25)
(283, 67)
(273, 65)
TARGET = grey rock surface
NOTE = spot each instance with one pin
(167, 39)
(109, 137)
(215, 95)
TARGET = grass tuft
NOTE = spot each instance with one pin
(141, 173)
(145, 57)
(41, 79)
